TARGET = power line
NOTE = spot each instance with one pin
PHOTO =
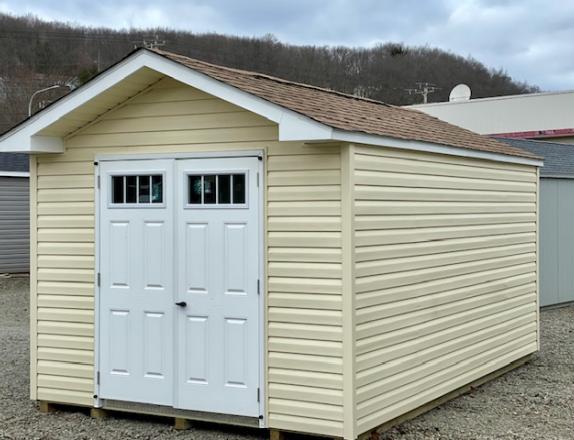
(424, 89)
(156, 43)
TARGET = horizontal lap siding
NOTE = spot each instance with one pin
(14, 224)
(303, 248)
(445, 275)
(305, 307)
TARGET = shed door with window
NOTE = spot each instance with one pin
(179, 264)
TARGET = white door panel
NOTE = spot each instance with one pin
(218, 274)
(136, 289)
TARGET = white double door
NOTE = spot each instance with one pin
(179, 296)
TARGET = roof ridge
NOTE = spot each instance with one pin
(274, 78)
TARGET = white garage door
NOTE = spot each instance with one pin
(179, 283)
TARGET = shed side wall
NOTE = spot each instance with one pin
(14, 224)
(446, 285)
(556, 241)
(303, 249)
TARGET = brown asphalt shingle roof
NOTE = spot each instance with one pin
(347, 112)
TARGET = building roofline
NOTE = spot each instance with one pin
(491, 98)
(293, 125)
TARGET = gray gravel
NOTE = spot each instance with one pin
(533, 402)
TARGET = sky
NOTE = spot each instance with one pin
(532, 40)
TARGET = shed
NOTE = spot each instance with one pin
(210, 243)
(556, 214)
(14, 213)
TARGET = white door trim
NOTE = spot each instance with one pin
(194, 155)
(259, 153)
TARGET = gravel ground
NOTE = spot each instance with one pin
(533, 402)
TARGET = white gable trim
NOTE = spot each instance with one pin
(292, 126)
(384, 141)
(24, 138)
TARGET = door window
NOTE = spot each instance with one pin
(217, 190)
(139, 190)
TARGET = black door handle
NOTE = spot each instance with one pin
(181, 304)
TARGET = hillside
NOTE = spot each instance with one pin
(35, 54)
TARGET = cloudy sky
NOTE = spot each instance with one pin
(533, 40)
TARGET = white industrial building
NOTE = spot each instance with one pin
(545, 116)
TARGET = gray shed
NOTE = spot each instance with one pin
(14, 213)
(556, 219)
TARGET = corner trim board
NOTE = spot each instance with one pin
(33, 279)
(348, 223)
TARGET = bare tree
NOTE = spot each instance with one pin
(35, 54)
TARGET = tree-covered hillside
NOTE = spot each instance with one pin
(35, 54)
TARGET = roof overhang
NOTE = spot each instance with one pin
(405, 144)
(14, 173)
(41, 133)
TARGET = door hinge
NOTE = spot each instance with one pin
(258, 287)
(258, 395)
(98, 182)
(98, 279)
(98, 377)
(258, 179)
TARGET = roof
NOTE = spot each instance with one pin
(302, 112)
(14, 162)
(348, 112)
(558, 158)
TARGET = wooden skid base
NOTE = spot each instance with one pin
(98, 413)
(278, 434)
(373, 434)
(275, 434)
(46, 407)
(181, 424)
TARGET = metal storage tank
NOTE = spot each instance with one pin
(556, 214)
(14, 213)
(215, 244)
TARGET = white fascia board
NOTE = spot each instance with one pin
(14, 174)
(298, 128)
(20, 139)
(292, 125)
(384, 141)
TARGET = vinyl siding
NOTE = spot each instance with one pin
(556, 241)
(14, 224)
(445, 278)
(305, 302)
(303, 249)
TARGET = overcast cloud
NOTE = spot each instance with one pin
(533, 40)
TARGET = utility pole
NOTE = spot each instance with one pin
(424, 89)
(154, 43)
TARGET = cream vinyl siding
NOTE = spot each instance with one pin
(445, 284)
(303, 249)
(305, 301)
(14, 224)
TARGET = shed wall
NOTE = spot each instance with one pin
(14, 224)
(556, 241)
(303, 250)
(445, 275)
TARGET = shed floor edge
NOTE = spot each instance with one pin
(386, 426)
